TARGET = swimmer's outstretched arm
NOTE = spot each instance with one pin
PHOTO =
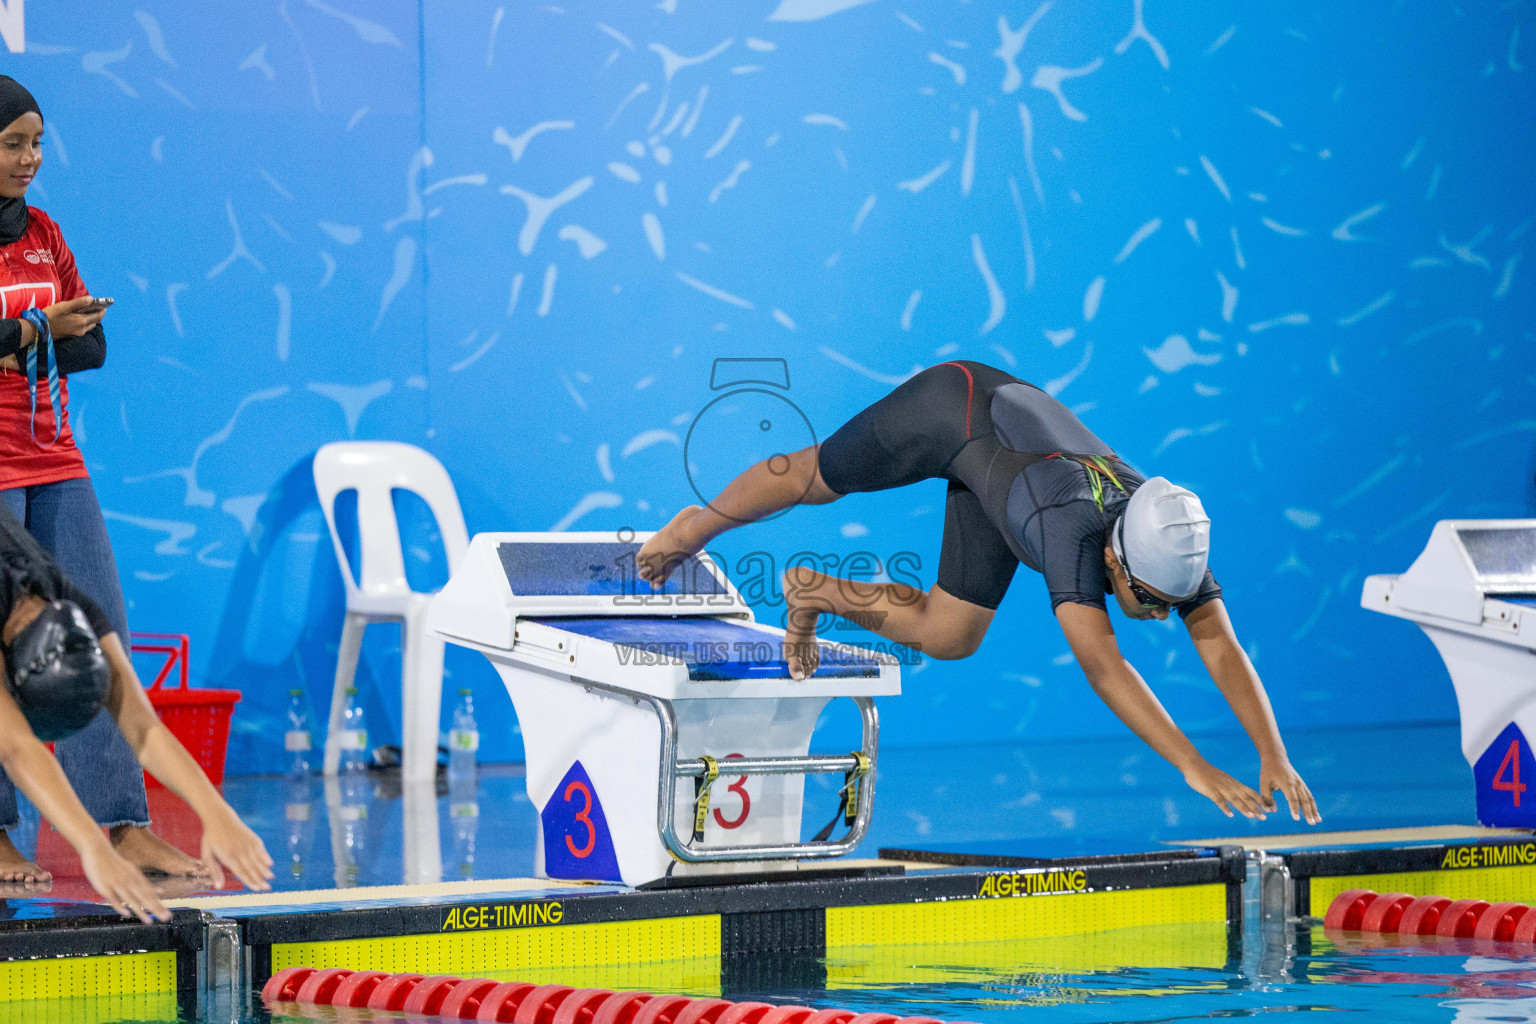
(1211, 630)
(37, 774)
(1120, 686)
(226, 839)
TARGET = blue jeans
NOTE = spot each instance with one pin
(67, 522)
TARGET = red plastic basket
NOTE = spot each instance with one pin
(199, 719)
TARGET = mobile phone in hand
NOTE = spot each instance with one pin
(97, 304)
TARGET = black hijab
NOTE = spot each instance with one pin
(15, 101)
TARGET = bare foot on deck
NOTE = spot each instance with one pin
(804, 606)
(153, 855)
(672, 545)
(16, 868)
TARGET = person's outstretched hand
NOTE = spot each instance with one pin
(122, 885)
(228, 843)
(1280, 775)
(1226, 792)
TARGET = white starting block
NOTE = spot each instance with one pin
(621, 691)
(1473, 592)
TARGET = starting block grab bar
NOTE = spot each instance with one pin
(673, 769)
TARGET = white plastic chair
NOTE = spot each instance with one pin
(375, 469)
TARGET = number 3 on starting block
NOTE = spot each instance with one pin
(576, 839)
(1499, 772)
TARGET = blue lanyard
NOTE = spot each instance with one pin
(44, 341)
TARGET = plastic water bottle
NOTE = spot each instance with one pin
(464, 810)
(354, 735)
(297, 740)
(298, 812)
(463, 739)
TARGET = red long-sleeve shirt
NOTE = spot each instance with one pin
(36, 270)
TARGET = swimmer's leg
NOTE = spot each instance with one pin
(975, 568)
(935, 622)
(909, 435)
(770, 486)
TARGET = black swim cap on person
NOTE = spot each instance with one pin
(56, 672)
(15, 100)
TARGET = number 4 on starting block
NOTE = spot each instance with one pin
(1501, 793)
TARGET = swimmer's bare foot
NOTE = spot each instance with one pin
(16, 868)
(153, 855)
(669, 547)
(802, 613)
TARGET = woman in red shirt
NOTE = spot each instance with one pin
(44, 483)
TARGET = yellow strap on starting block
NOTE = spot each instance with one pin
(851, 787)
(701, 798)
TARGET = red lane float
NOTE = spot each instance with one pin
(745, 1013)
(428, 995)
(464, 1001)
(830, 1017)
(320, 987)
(1385, 912)
(393, 991)
(1459, 920)
(1401, 912)
(661, 1010)
(357, 988)
(580, 1006)
(501, 1002)
(1347, 908)
(1525, 931)
(787, 1015)
(622, 1008)
(1422, 915)
(285, 984)
(541, 1005)
(1500, 920)
(702, 1011)
(482, 999)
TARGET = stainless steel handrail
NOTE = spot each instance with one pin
(772, 766)
(672, 769)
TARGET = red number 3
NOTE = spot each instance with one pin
(1510, 764)
(581, 816)
(739, 787)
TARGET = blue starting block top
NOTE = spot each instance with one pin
(713, 649)
(595, 569)
(1527, 600)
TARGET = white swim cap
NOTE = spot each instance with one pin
(1164, 537)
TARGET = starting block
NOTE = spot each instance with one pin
(1473, 592)
(622, 691)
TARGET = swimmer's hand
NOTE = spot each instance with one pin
(1279, 774)
(122, 885)
(1226, 792)
(228, 843)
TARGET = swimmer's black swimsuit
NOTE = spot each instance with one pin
(1028, 482)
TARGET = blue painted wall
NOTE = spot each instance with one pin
(1271, 252)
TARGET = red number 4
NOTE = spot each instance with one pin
(1510, 764)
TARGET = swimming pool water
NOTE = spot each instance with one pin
(1176, 973)
(1057, 797)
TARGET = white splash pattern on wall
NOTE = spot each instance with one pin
(1002, 197)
